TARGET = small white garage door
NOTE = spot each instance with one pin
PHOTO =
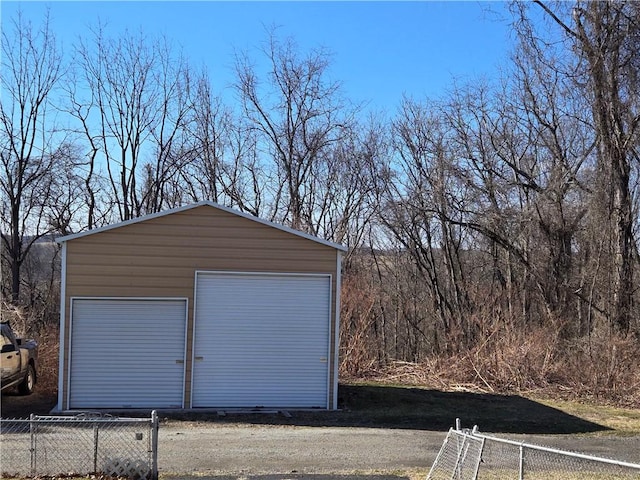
(261, 340)
(127, 353)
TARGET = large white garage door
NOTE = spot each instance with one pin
(261, 340)
(127, 353)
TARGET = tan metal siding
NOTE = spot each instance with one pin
(158, 257)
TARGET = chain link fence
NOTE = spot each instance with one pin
(470, 455)
(80, 445)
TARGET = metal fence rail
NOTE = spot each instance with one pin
(80, 445)
(468, 454)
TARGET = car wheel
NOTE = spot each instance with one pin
(29, 382)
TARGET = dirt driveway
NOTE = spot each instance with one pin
(185, 448)
(279, 452)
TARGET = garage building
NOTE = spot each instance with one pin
(198, 307)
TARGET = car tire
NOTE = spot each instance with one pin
(29, 382)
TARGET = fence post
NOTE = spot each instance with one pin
(95, 447)
(154, 444)
(521, 463)
(477, 470)
(32, 449)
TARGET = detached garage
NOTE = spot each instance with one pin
(198, 307)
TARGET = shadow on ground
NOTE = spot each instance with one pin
(14, 405)
(376, 406)
(382, 406)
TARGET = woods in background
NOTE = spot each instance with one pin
(492, 233)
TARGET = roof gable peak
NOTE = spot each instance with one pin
(196, 205)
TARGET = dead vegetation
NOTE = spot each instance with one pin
(597, 369)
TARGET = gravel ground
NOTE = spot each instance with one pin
(255, 450)
(280, 452)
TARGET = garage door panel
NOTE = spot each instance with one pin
(127, 353)
(261, 340)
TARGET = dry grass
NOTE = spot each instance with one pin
(602, 369)
(624, 421)
(48, 344)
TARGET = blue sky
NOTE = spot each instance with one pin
(381, 50)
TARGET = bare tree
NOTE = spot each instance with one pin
(95, 206)
(298, 115)
(419, 208)
(32, 153)
(225, 167)
(522, 151)
(605, 39)
(169, 133)
(345, 185)
(136, 115)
